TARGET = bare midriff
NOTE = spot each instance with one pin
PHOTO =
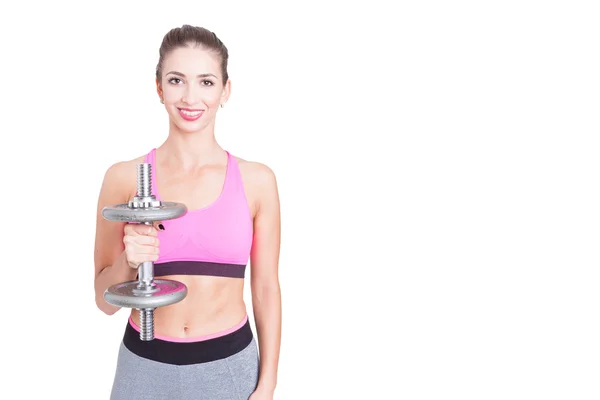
(212, 305)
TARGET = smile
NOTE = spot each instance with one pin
(190, 115)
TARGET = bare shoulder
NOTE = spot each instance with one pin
(257, 174)
(259, 182)
(120, 178)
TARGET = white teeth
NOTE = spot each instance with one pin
(191, 113)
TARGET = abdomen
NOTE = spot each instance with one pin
(213, 304)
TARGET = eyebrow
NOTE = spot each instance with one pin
(198, 76)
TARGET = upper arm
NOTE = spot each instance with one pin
(264, 256)
(109, 234)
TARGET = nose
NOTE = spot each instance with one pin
(191, 95)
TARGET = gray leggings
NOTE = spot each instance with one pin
(233, 377)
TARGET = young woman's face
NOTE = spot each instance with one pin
(191, 87)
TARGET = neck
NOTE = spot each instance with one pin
(192, 149)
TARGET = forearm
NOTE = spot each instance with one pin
(267, 315)
(111, 275)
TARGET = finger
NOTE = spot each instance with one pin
(145, 250)
(142, 258)
(159, 225)
(146, 240)
(143, 229)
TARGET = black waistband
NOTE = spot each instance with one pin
(186, 353)
(199, 268)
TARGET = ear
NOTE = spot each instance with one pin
(226, 92)
(159, 89)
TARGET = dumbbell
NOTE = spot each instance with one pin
(146, 294)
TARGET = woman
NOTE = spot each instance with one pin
(203, 347)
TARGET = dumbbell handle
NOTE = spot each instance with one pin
(145, 282)
(146, 272)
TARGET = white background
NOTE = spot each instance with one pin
(438, 172)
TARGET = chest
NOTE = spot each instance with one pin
(196, 189)
(218, 224)
(216, 234)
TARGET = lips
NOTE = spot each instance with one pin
(190, 114)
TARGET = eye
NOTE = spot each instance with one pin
(207, 82)
(175, 81)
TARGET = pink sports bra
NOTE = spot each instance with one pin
(213, 240)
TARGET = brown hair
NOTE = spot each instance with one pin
(188, 35)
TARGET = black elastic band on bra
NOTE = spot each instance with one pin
(199, 268)
(186, 353)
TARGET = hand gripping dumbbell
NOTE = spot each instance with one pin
(146, 294)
